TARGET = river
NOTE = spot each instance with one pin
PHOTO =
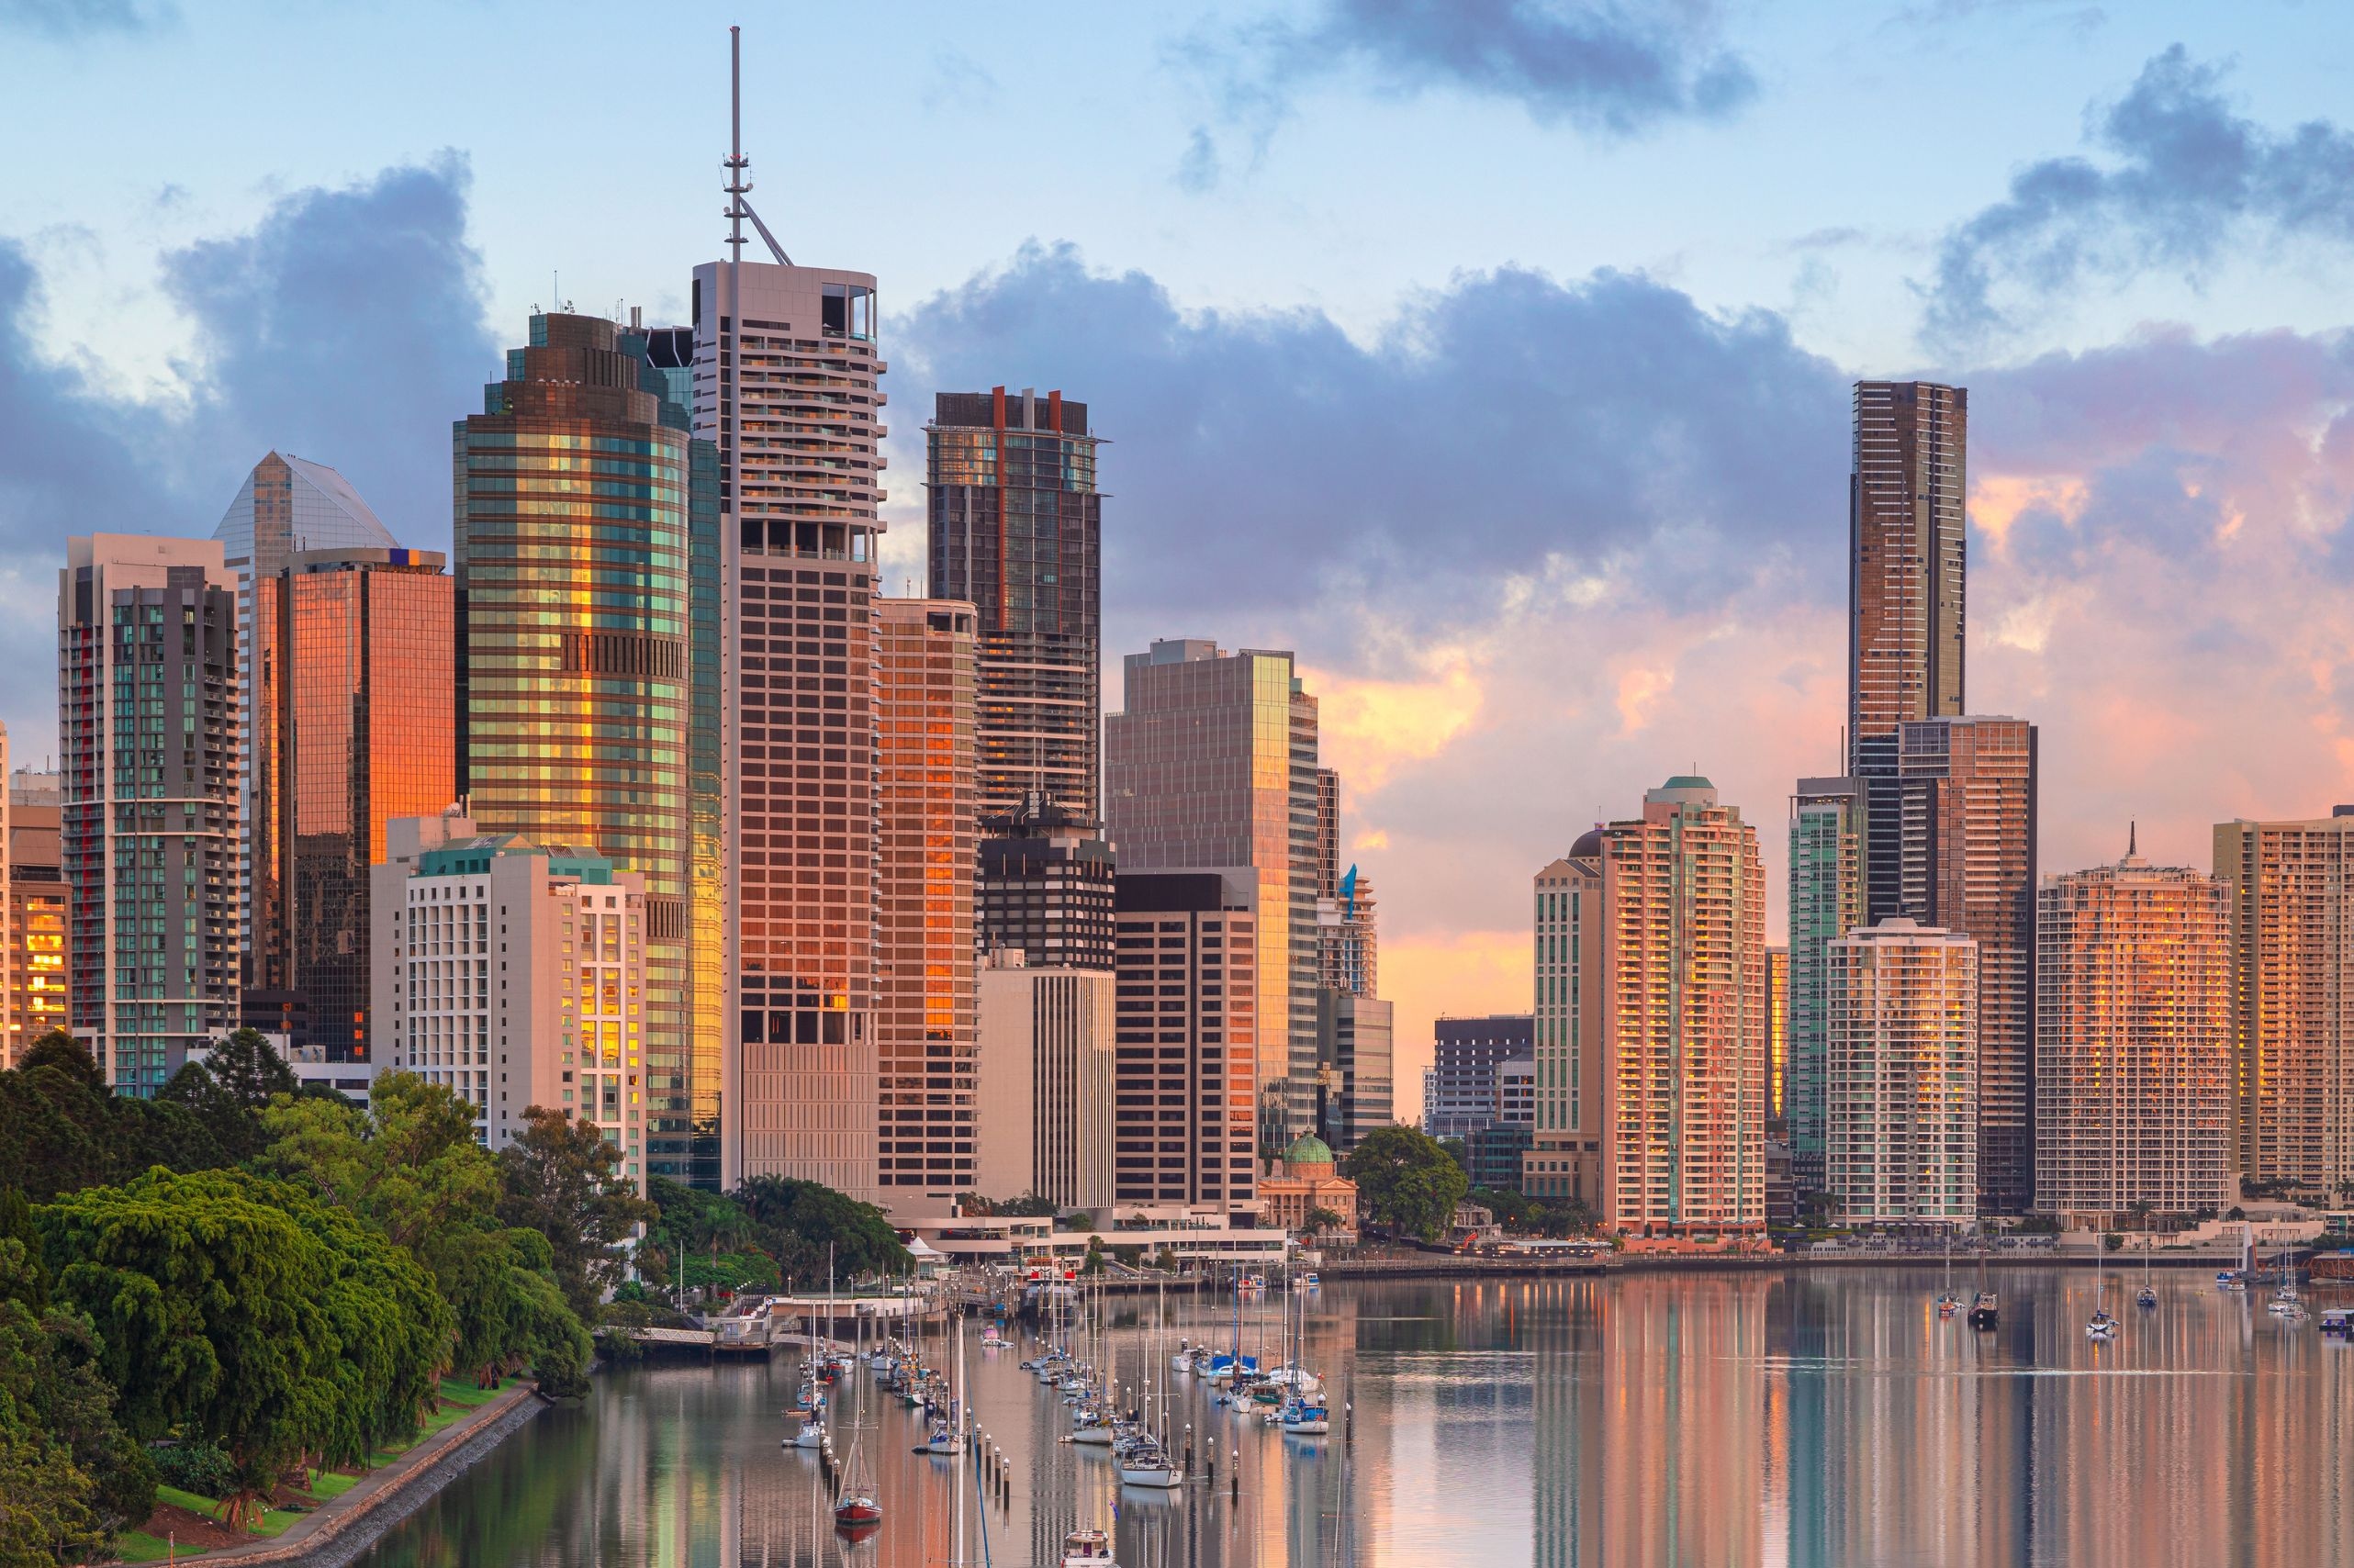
(1823, 1416)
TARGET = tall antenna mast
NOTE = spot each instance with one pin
(737, 162)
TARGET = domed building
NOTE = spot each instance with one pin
(1308, 1182)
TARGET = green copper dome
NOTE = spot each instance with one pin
(1688, 782)
(1309, 1150)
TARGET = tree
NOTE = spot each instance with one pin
(229, 1088)
(52, 1389)
(61, 1130)
(1510, 1208)
(1406, 1181)
(409, 1167)
(561, 1178)
(47, 1519)
(797, 1220)
(1321, 1220)
(246, 1314)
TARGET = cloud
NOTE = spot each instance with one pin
(1605, 67)
(68, 20)
(1506, 421)
(345, 327)
(2186, 182)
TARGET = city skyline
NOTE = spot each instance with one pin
(2146, 504)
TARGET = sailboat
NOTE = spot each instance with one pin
(1987, 1308)
(1087, 1549)
(2285, 1304)
(2099, 1325)
(2236, 1279)
(1948, 1303)
(2146, 1297)
(856, 1506)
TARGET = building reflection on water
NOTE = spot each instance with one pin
(1818, 1418)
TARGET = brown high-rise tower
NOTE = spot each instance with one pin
(1905, 525)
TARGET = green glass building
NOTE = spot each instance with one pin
(580, 532)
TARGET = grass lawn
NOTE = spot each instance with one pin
(460, 1399)
(134, 1546)
(274, 1522)
(326, 1483)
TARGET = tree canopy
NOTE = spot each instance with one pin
(771, 1228)
(408, 1165)
(229, 1088)
(62, 1130)
(246, 1312)
(1406, 1181)
(562, 1178)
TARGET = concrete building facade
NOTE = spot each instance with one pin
(514, 973)
(1187, 1027)
(151, 719)
(2133, 1043)
(2292, 890)
(925, 831)
(1210, 764)
(1565, 1159)
(1900, 1076)
(1046, 1083)
(1684, 1017)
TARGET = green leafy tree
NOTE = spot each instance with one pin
(244, 1313)
(229, 1088)
(1322, 1221)
(1406, 1181)
(796, 1220)
(1510, 1208)
(48, 1519)
(408, 1166)
(61, 1130)
(562, 1178)
(51, 1387)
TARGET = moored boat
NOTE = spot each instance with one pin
(1087, 1549)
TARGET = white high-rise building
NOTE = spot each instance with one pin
(515, 974)
(1900, 1074)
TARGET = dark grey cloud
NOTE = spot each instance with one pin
(2185, 179)
(1607, 67)
(1263, 460)
(86, 18)
(345, 327)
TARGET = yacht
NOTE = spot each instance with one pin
(2099, 1325)
(1304, 1416)
(1087, 1549)
(809, 1434)
(1149, 1465)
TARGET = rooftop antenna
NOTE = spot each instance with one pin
(2133, 834)
(737, 186)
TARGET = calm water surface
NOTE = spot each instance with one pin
(1805, 1418)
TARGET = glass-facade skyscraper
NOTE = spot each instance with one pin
(352, 665)
(1827, 835)
(150, 719)
(1015, 528)
(1210, 763)
(574, 522)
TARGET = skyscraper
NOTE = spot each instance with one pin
(33, 930)
(1965, 842)
(1046, 1083)
(1565, 1159)
(2133, 1043)
(1186, 1027)
(1684, 1017)
(1211, 764)
(1906, 488)
(1045, 887)
(353, 673)
(1463, 1091)
(573, 532)
(924, 963)
(151, 716)
(1015, 527)
(1355, 1029)
(2291, 889)
(1901, 1106)
(286, 505)
(1827, 839)
(786, 373)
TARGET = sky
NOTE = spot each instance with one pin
(1492, 355)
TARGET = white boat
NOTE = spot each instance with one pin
(809, 1434)
(2236, 1279)
(1149, 1466)
(1094, 1430)
(1306, 1418)
(2099, 1325)
(941, 1444)
(1307, 1281)
(1087, 1549)
(1181, 1362)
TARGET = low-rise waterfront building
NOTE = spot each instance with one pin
(1308, 1182)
